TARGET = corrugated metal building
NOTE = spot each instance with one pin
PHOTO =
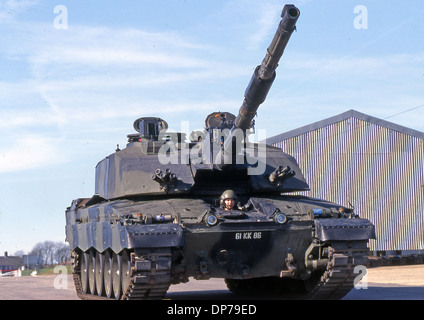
(372, 164)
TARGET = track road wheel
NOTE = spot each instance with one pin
(108, 274)
(84, 272)
(100, 269)
(116, 275)
(92, 272)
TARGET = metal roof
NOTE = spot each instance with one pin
(339, 118)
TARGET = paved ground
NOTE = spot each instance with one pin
(392, 283)
(384, 283)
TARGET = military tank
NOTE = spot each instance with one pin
(166, 210)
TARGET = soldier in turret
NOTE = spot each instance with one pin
(228, 200)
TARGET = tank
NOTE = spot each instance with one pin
(219, 206)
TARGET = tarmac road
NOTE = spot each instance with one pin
(383, 283)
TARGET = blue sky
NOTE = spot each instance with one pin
(69, 96)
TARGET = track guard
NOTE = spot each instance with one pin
(344, 229)
(151, 236)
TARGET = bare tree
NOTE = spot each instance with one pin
(51, 252)
(19, 253)
(62, 252)
(38, 250)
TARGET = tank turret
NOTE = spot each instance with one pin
(165, 210)
(222, 154)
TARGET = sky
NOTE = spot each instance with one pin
(74, 75)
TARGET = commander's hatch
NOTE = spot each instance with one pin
(149, 128)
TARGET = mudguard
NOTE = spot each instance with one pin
(103, 236)
(159, 235)
(344, 229)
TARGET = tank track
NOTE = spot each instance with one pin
(339, 275)
(333, 283)
(149, 277)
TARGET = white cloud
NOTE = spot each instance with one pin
(267, 20)
(29, 153)
(111, 56)
(367, 65)
(94, 46)
(88, 74)
(93, 79)
(10, 8)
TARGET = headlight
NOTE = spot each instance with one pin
(280, 218)
(211, 220)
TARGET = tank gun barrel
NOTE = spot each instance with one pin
(264, 74)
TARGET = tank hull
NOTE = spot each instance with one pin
(241, 247)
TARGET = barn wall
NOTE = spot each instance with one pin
(376, 169)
